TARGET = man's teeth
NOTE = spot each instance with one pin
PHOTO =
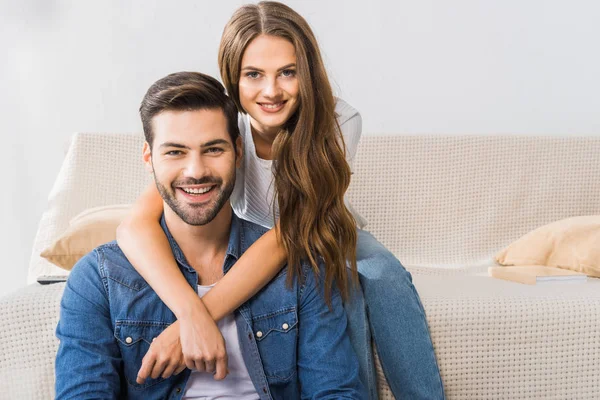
(197, 191)
(265, 105)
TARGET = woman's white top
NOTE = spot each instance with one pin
(252, 198)
(237, 384)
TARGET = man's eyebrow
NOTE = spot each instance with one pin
(173, 144)
(215, 142)
(251, 68)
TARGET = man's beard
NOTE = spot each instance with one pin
(197, 214)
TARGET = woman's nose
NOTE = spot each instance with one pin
(272, 88)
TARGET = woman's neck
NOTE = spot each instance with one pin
(263, 138)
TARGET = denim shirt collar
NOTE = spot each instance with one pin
(234, 248)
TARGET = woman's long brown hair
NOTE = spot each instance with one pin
(311, 171)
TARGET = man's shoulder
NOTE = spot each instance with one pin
(252, 231)
(103, 259)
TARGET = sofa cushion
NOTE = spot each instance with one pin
(86, 231)
(571, 243)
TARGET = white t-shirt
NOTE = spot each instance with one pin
(252, 198)
(237, 384)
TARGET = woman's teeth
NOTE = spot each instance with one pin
(276, 105)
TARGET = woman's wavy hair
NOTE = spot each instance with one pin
(311, 171)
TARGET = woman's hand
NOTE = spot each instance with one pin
(202, 344)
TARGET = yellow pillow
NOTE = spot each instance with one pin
(86, 231)
(572, 243)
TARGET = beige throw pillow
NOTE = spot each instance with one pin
(86, 231)
(572, 243)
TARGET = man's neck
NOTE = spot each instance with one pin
(204, 247)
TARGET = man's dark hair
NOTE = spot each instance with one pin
(187, 91)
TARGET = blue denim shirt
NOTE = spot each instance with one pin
(109, 316)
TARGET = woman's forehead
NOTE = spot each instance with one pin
(269, 52)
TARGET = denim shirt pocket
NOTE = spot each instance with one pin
(277, 336)
(134, 338)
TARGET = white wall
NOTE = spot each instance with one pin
(421, 66)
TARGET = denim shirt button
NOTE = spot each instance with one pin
(259, 334)
(285, 327)
(128, 340)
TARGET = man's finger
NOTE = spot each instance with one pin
(158, 369)
(180, 369)
(169, 370)
(146, 368)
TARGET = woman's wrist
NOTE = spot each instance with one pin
(193, 308)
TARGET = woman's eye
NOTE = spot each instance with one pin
(288, 73)
(252, 74)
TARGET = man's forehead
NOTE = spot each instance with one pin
(192, 128)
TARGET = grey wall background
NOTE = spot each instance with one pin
(420, 66)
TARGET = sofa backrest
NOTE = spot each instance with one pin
(449, 200)
(457, 200)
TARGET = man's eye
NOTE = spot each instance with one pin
(173, 153)
(288, 73)
(252, 74)
(214, 150)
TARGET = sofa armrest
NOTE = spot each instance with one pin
(28, 342)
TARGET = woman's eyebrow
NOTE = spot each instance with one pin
(249, 67)
(291, 65)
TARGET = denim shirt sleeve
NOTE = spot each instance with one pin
(327, 364)
(88, 358)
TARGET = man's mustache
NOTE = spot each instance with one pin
(202, 181)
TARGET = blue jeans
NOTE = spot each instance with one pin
(389, 310)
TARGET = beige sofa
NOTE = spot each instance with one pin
(444, 205)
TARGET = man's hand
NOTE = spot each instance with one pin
(164, 357)
(203, 345)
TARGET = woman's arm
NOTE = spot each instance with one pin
(143, 241)
(255, 268)
(188, 335)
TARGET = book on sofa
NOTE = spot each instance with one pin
(534, 274)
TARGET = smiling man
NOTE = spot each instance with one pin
(284, 343)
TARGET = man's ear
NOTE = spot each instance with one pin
(147, 157)
(239, 151)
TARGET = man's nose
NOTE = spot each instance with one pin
(195, 168)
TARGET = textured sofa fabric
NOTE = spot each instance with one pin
(444, 205)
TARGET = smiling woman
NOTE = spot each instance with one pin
(268, 88)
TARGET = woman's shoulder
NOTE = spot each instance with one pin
(345, 111)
